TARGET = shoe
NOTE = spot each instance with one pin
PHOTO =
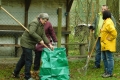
(30, 79)
(106, 75)
(96, 67)
(34, 74)
(15, 75)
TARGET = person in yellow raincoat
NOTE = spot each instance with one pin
(108, 35)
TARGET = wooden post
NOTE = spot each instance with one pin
(59, 26)
(16, 42)
(27, 5)
(67, 28)
(0, 3)
(82, 49)
(68, 7)
(97, 6)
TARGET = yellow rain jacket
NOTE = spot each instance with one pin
(108, 36)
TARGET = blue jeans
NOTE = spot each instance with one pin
(37, 60)
(108, 61)
(98, 53)
(26, 59)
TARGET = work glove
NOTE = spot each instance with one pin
(51, 47)
(55, 44)
(91, 27)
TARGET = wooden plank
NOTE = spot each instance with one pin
(9, 45)
(63, 29)
(18, 27)
(14, 31)
(55, 28)
(73, 43)
(11, 27)
(80, 56)
(11, 32)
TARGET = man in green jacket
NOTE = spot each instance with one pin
(96, 26)
(28, 41)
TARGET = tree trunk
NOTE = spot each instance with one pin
(97, 6)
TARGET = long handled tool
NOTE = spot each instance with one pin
(84, 69)
(17, 21)
(89, 56)
(46, 46)
(89, 43)
(14, 18)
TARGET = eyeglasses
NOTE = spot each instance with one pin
(43, 21)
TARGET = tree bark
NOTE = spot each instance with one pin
(97, 6)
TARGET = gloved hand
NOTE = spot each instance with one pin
(55, 44)
(51, 47)
(91, 27)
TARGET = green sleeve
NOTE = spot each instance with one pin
(114, 21)
(32, 32)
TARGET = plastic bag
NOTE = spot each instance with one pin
(54, 65)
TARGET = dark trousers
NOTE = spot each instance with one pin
(37, 60)
(25, 59)
(98, 53)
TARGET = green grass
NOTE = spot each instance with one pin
(76, 71)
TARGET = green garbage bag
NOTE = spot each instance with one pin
(54, 65)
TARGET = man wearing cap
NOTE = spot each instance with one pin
(28, 41)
